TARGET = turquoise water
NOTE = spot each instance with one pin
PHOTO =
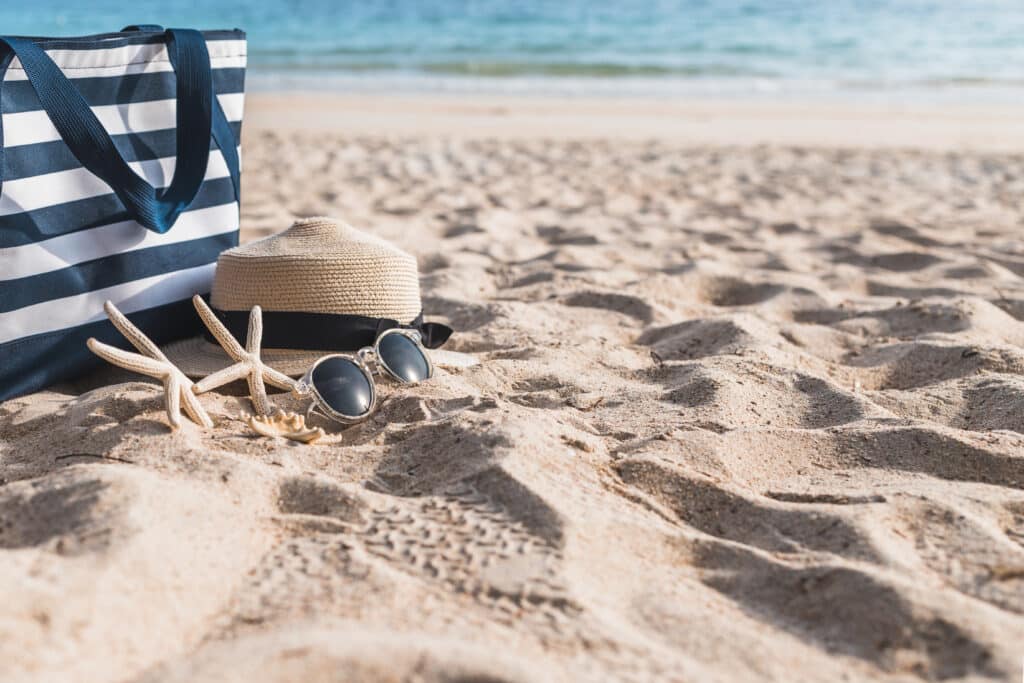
(965, 49)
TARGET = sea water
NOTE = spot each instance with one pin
(969, 50)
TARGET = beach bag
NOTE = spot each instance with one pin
(119, 180)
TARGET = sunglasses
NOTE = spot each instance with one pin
(342, 387)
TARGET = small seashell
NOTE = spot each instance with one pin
(289, 425)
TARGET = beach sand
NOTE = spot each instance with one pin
(750, 407)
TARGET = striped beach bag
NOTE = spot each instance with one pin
(119, 180)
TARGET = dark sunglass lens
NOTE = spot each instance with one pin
(343, 386)
(403, 357)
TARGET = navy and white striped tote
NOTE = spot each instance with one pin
(119, 180)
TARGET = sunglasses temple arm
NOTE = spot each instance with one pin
(302, 388)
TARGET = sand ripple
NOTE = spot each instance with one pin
(743, 414)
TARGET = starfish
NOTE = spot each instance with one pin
(177, 387)
(247, 360)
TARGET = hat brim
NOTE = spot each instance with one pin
(197, 357)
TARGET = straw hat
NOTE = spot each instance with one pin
(323, 286)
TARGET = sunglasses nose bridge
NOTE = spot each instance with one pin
(367, 354)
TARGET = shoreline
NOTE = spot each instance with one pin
(716, 122)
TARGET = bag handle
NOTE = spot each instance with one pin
(223, 134)
(93, 147)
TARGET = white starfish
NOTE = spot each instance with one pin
(177, 387)
(247, 360)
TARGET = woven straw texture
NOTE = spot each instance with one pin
(319, 265)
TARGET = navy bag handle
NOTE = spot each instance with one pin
(198, 116)
(223, 135)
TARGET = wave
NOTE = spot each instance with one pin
(596, 70)
(504, 69)
(718, 72)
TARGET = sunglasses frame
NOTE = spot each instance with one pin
(372, 354)
(305, 387)
(361, 359)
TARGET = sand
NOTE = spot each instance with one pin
(747, 412)
(955, 125)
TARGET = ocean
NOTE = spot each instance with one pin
(964, 50)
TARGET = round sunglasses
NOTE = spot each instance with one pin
(342, 387)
